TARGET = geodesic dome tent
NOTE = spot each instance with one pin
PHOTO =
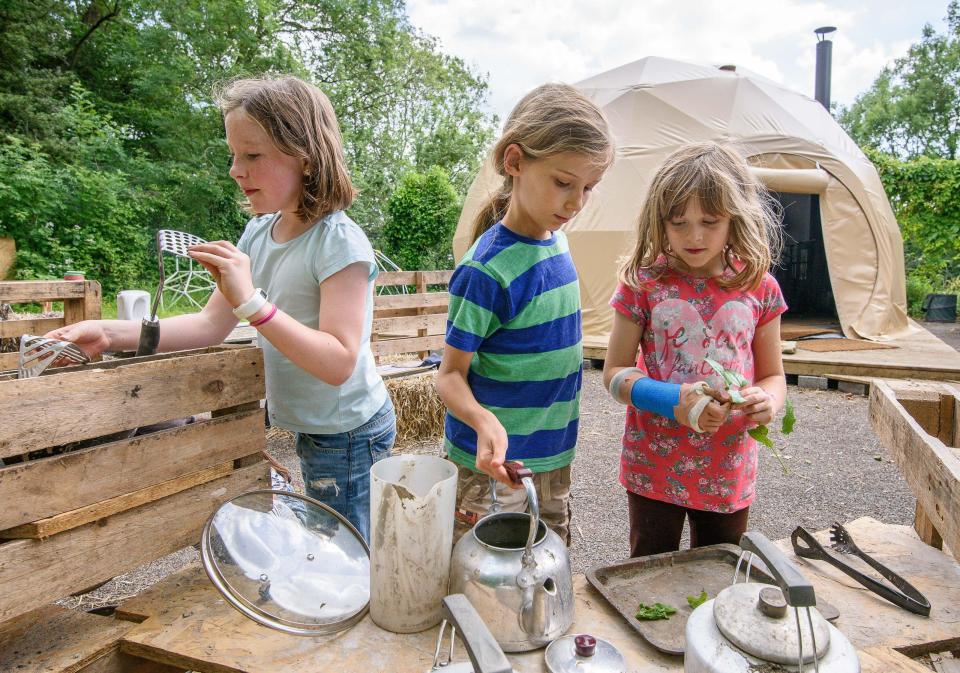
(796, 148)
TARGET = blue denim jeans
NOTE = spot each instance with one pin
(336, 468)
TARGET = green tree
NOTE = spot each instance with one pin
(423, 217)
(109, 101)
(913, 107)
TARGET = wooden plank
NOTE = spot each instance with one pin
(925, 528)
(10, 329)
(42, 488)
(56, 639)
(930, 468)
(435, 322)
(926, 412)
(406, 344)
(387, 278)
(91, 401)
(435, 300)
(84, 308)
(116, 661)
(35, 572)
(888, 660)
(8, 360)
(28, 291)
(43, 528)
(948, 420)
(212, 637)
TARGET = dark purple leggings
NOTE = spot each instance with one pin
(656, 526)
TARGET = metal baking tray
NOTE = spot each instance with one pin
(669, 578)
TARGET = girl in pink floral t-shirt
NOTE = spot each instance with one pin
(696, 287)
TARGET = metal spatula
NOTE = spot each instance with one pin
(37, 353)
(175, 243)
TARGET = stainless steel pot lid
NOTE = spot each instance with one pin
(582, 653)
(288, 562)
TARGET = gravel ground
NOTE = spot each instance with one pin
(839, 472)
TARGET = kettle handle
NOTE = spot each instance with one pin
(797, 589)
(524, 475)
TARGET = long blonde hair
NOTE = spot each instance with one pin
(550, 120)
(300, 121)
(722, 184)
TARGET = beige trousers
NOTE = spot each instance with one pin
(553, 492)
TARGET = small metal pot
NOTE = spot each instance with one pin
(515, 572)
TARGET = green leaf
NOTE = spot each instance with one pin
(655, 611)
(715, 366)
(740, 379)
(736, 397)
(762, 435)
(788, 418)
(697, 601)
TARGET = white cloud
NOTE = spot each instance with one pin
(523, 44)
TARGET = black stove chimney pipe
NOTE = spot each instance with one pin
(824, 58)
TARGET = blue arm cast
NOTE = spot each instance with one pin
(656, 396)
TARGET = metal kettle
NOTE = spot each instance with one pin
(750, 626)
(515, 572)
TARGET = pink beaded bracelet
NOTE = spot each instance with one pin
(266, 318)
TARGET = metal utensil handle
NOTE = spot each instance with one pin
(797, 589)
(524, 475)
(482, 647)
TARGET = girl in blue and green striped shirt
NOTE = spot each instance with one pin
(511, 369)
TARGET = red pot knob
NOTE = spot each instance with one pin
(585, 645)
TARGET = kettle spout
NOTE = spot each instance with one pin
(541, 609)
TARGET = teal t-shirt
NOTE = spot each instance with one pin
(515, 303)
(290, 273)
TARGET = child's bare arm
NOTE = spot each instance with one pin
(459, 399)
(766, 397)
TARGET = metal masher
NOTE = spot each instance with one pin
(176, 243)
(37, 353)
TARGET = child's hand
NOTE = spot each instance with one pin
(492, 450)
(89, 335)
(711, 418)
(229, 267)
(757, 405)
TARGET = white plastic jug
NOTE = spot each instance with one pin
(412, 499)
(133, 305)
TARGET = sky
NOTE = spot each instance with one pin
(520, 44)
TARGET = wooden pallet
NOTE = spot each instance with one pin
(920, 425)
(77, 518)
(81, 301)
(412, 322)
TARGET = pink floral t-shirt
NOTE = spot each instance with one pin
(685, 319)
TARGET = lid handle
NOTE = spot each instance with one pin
(586, 645)
(797, 589)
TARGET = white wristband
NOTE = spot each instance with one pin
(617, 381)
(248, 308)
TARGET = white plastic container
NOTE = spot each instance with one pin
(133, 305)
(412, 500)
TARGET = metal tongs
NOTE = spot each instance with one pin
(901, 594)
(37, 353)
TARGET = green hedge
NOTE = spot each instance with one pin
(422, 217)
(925, 195)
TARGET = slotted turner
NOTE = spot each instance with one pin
(175, 243)
(37, 353)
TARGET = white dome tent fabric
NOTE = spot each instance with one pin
(656, 105)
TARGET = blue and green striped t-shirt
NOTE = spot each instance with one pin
(515, 303)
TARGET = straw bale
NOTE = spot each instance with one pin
(420, 412)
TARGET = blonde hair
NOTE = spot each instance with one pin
(722, 184)
(550, 120)
(300, 121)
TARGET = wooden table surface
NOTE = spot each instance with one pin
(188, 624)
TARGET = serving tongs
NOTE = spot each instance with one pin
(901, 594)
(37, 353)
